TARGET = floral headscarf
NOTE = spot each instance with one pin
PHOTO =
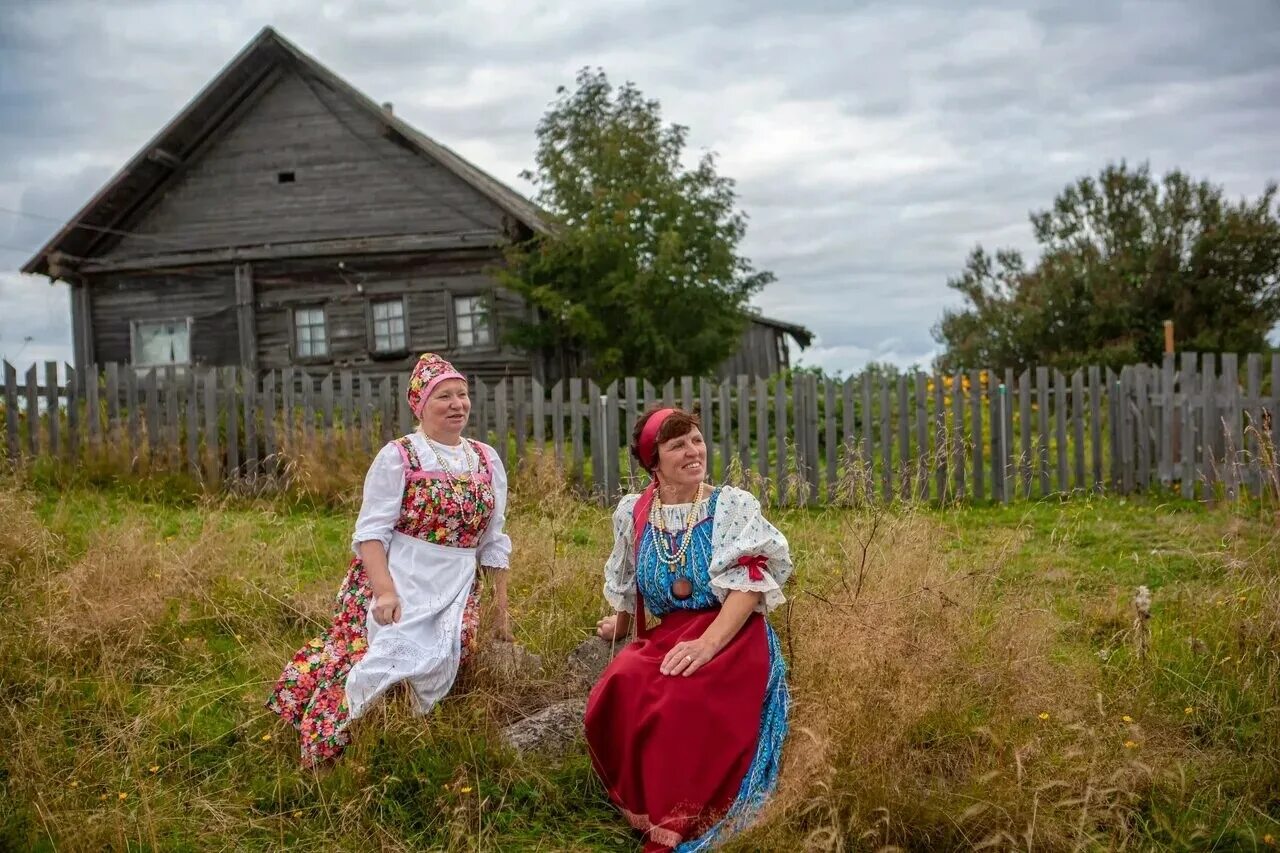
(429, 372)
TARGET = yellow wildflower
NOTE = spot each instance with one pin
(154, 768)
(1188, 710)
(75, 784)
(1130, 744)
(1127, 718)
(123, 795)
(297, 814)
(1269, 840)
(267, 736)
(466, 790)
(1044, 715)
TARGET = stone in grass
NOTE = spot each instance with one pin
(554, 729)
(511, 662)
(588, 660)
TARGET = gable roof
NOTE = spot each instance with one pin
(130, 189)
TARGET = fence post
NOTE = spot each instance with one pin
(1003, 453)
(11, 411)
(52, 406)
(595, 426)
(73, 412)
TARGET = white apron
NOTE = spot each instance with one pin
(425, 646)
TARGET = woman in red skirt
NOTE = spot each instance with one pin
(686, 724)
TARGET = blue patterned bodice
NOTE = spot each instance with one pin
(655, 577)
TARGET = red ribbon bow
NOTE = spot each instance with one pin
(755, 566)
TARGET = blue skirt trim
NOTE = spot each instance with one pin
(762, 775)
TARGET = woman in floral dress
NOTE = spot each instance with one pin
(433, 511)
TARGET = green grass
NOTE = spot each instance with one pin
(145, 630)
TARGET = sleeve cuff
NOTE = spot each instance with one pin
(737, 578)
(384, 538)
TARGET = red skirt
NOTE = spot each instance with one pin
(672, 751)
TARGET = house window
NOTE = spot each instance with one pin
(471, 322)
(388, 326)
(161, 342)
(310, 339)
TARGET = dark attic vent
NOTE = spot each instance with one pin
(285, 177)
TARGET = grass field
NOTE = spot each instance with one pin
(961, 678)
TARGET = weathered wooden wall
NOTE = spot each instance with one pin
(757, 354)
(350, 180)
(208, 297)
(428, 282)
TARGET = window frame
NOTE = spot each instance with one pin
(488, 300)
(297, 356)
(371, 326)
(187, 321)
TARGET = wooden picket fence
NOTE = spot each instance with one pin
(1191, 424)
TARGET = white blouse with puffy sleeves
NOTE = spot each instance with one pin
(739, 529)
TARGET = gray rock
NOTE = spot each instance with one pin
(554, 729)
(511, 662)
(588, 660)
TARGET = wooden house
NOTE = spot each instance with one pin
(284, 219)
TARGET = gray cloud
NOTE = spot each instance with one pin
(873, 143)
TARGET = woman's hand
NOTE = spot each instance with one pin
(386, 608)
(614, 627)
(607, 628)
(688, 657)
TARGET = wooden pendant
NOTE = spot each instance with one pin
(681, 588)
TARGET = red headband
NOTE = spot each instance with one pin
(649, 435)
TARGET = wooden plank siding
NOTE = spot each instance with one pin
(208, 300)
(762, 352)
(350, 178)
(428, 288)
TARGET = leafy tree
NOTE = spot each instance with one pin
(642, 276)
(1120, 254)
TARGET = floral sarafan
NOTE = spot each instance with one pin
(444, 512)
(310, 692)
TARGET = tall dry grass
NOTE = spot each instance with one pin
(924, 649)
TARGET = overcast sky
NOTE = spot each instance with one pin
(874, 144)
